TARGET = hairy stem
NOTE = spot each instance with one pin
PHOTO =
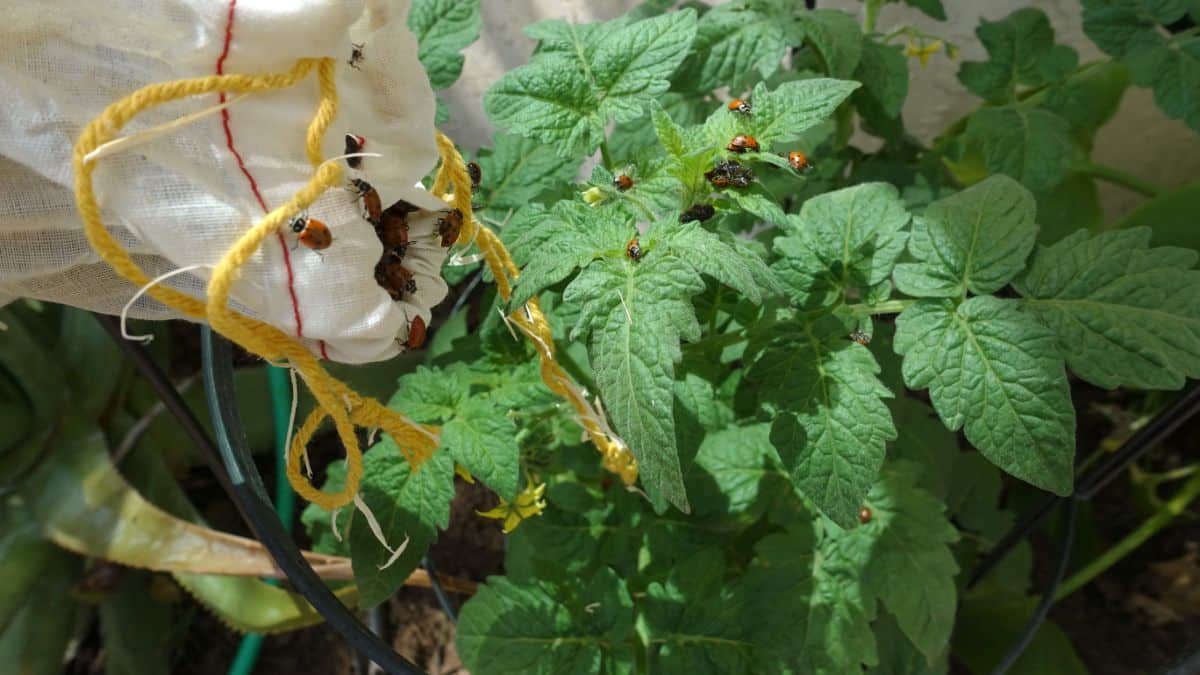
(1118, 177)
(871, 15)
(1169, 511)
(605, 155)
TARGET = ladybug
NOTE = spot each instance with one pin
(698, 213)
(449, 225)
(356, 54)
(354, 144)
(476, 173)
(728, 173)
(416, 333)
(313, 233)
(633, 250)
(860, 337)
(798, 161)
(372, 206)
(864, 515)
(738, 105)
(395, 278)
(622, 182)
(741, 143)
(392, 229)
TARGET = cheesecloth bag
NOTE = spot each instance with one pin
(182, 198)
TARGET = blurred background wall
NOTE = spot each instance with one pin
(1140, 140)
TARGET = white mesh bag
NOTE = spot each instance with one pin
(183, 198)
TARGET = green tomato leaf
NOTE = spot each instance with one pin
(443, 29)
(1171, 215)
(541, 628)
(975, 240)
(996, 372)
(835, 35)
(1129, 31)
(636, 313)
(1089, 98)
(632, 66)
(883, 72)
(724, 258)
(683, 634)
(1021, 50)
(910, 536)
(855, 232)
(516, 170)
(1126, 315)
(742, 464)
(582, 77)
(990, 622)
(408, 505)
(734, 41)
(550, 100)
(828, 386)
(932, 8)
(430, 395)
(482, 438)
(576, 235)
(1032, 146)
(781, 114)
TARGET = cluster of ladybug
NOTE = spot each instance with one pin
(727, 172)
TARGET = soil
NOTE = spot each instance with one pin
(472, 548)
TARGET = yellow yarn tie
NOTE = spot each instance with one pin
(615, 456)
(334, 399)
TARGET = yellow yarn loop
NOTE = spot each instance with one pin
(334, 399)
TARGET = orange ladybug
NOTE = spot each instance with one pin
(394, 277)
(372, 206)
(354, 143)
(476, 173)
(864, 515)
(860, 337)
(738, 105)
(798, 160)
(633, 250)
(448, 226)
(392, 229)
(416, 333)
(313, 233)
(623, 182)
(741, 143)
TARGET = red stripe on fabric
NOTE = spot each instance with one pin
(287, 258)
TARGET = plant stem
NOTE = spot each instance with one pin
(605, 156)
(888, 307)
(712, 320)
(1118, 177)
(1169, 511)
(871, 17)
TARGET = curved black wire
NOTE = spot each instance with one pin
(440, 592)
(1088, 486)
(1043, 608)
(249, 492)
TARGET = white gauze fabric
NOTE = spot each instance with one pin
(183, 199)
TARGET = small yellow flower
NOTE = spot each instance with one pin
(923, 51)
(463, 473)
(528, 504)
(593, 196)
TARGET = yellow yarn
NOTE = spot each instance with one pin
(334, 399)
(615, 457)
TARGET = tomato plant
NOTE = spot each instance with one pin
(823, 367)
(841, 359)
(823, 358)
